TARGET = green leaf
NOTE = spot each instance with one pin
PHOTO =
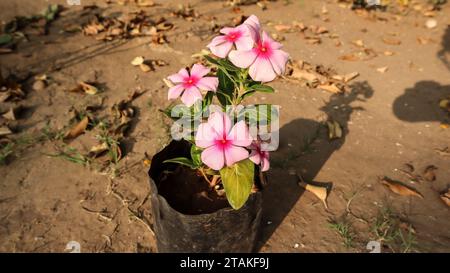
(5, 38)
(211, 60)
(196, 155)
(226, 88)
(238, 181)
(207, 100)
(262, 88)
(227, 65)
(182, 161)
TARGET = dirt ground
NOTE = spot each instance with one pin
(390, 117)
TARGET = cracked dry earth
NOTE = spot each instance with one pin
(389, 119)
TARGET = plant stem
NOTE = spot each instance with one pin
(204, 175)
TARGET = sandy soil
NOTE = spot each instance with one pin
(389, 119)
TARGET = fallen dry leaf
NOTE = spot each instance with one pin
(388, 53)
(332, 88)
(391, 41)
(145, 3)
(4, 131)
(138, 61)
(358, 43)
(145, 67)
(382, 69)
(88, 88)
(445, 196)
(10, 115)
(443, 152)
(399, 188)
(429, 173)
(78, 129)
(319, 192)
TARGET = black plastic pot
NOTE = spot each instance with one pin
(225, 230)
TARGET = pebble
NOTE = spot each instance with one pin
(39, 85)
(431, 23)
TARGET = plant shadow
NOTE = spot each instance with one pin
(421, 103)
(304, 149)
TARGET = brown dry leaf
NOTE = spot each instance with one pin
(145, 3)
(445, 196)
(444, 125)
(358, 43)
(145, 67)
(78, 129)
(391, 41)
(383, 69)
(350, 76)
(313, 40)
(283, 28)
(88, 88)
(138, 61)
(429, 173)
(319, 192)
(321, 30)
(361, 55)
(443, 152)
(4, 131)
(10, 115)
(332, 88)
(305, 75)
(97, 150)
(334, 130)
(399, 188)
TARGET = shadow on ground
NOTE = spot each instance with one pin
(421, 103)
(305, 148)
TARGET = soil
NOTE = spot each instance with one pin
(390, 117)
(189, 193)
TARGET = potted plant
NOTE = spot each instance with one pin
(205, 185)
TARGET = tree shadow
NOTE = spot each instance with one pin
(421, 102)
(305, 148)
(444, 53)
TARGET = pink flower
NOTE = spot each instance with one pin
(253, 23)
(223, 145)
(239, 36)
(191, 84)
(265, 60)
(259, 157)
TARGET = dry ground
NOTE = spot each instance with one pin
(389, 119)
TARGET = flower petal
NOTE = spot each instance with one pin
(175, 91)
(213, 157)
(244, 43)
(239, 135)
(190, 96)
(255, 27)
(262, 70)
(199, 70)
(255, 157)
(208, 83)
(205, 136)
(278, 60)
(242, 58)
(221, 50)
(179, 77)
(221, 123)
(267, 39)
(235, 154)
(227, 30)
(265, 164)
